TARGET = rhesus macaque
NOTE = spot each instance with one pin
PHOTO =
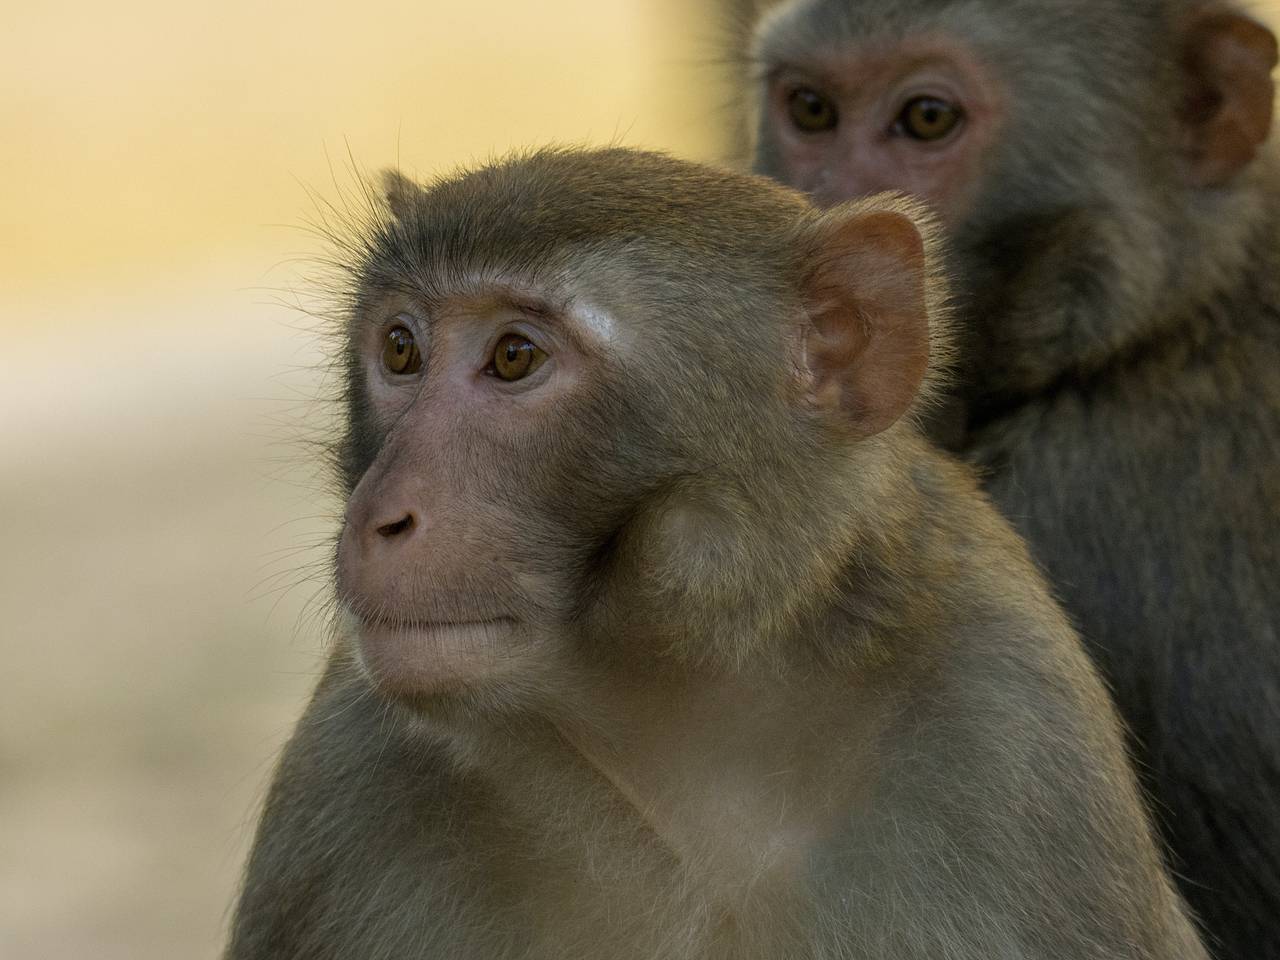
(1103, 169)
(664, 634)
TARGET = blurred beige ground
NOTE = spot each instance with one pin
(161, 527)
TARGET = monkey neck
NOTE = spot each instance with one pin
(742, 770)
(1074, 297)
(733, 771)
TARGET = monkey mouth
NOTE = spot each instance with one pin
(390, 624)
(459, 630)
(424, 656)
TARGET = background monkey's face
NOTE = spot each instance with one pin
(1071, 148)
(920, 117)
(992, 111)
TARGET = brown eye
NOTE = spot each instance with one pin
(927, 118)
(811, 111)
(514, 358)
(400, 352)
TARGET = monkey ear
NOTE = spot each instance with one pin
(401, 193)
(1229, 95)
(866, 341)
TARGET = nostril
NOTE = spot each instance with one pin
(403, 525)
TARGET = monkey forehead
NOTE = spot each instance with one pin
(533, 213)
(1091, 42)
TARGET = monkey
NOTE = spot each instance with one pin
(1106, 177)
(662, 631)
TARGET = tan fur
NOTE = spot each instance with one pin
(751, 683)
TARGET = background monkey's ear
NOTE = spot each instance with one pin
(1229, 95)
(401, 193)
(866, 335)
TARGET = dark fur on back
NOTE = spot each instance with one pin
(1121, 395)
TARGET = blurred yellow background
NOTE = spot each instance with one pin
(161, 527)
(162, 530)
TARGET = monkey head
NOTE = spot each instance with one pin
(1093, 161)
(1008, 107)
(610, 407)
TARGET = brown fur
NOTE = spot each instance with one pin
(781, 684)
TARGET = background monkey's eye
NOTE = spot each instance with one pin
(811, 111)
(400, 352)
(515, 357)
(927, 118)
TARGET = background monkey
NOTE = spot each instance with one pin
(664, 633)
(1117, 245)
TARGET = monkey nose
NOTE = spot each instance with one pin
(385, 518)
(395, 528)
(397, 525)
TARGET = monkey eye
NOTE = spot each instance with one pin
(811, 111)
(928, 118)
(400, 352)
(515, 357)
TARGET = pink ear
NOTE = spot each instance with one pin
(1226, 116)
(867, 347)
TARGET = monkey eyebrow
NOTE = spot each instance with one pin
(503, 295)
(573, 315)
(536, 310)
(586, 323)
(537, 302)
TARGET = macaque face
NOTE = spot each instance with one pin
(456, 557)
(919, 116)
(569, 456)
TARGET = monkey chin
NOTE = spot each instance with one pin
(419, 661)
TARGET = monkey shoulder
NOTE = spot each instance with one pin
(1010, 798)
(1001, 654)
(1154, 479)
(1152, 501)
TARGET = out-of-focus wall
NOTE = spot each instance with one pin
(161, 529)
